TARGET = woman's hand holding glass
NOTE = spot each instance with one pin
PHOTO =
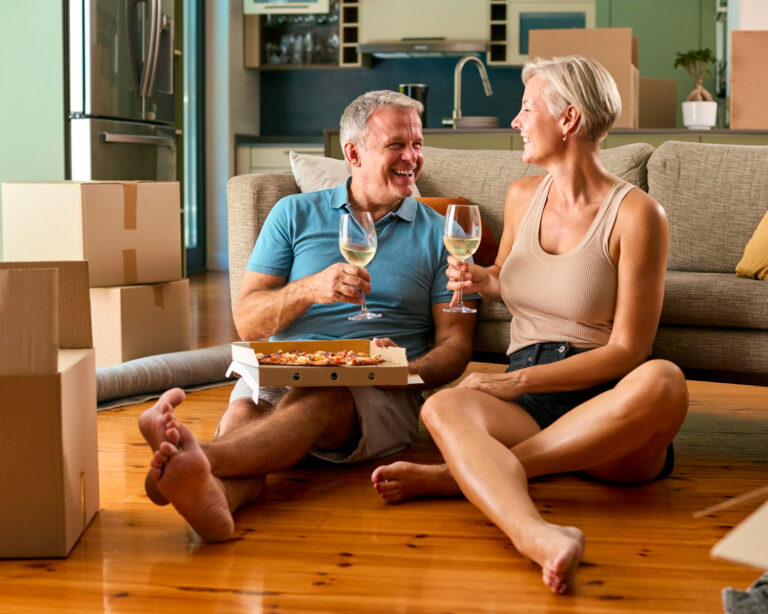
(461, 235)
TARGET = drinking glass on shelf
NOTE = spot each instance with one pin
(461, 235)
(357, 242)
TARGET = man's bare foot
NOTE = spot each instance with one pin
(183, 476)
(402, 480)
(158, 424)
(558, 550)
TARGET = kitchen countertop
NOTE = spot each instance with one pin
(251, 139)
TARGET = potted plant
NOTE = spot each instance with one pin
(699, 109)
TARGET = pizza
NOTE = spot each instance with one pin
(319, 358)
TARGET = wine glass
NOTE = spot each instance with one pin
(357, 242)
(461, 235)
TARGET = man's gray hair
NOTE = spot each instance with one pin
(581, 82)
(354, 120)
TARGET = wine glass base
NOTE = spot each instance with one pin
(364, 315)
(460, 309)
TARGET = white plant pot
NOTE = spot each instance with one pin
(700, 115)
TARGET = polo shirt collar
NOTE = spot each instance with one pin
(406, 210)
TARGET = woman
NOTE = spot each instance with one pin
(581, 267)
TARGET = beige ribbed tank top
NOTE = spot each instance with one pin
(566, 297)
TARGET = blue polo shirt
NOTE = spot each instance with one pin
(300, 237)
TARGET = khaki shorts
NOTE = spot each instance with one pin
(388, 419)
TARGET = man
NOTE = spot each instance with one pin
(297, 287)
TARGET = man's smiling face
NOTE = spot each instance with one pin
(391, 160)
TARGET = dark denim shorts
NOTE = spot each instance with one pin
(546, 407)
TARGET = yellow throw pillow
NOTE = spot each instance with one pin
(754, 262)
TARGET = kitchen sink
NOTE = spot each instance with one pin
(475, 121)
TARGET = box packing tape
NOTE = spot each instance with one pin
(130, 198)
(83, 499)
(130, 267)
(159, 298)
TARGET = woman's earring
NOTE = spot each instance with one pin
(565, 136)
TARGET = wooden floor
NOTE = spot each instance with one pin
(320, 539)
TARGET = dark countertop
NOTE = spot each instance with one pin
(319, 139)
(251, 139)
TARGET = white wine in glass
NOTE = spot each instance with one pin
(461, 235)
(357, 242)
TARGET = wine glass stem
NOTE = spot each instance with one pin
(363, 308)
(459, 294)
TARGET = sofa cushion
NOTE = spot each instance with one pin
(484, 176)
(714, 196)
(754, 262)
(489, 246)
(249, 199)
(313, 173)
(720, 300)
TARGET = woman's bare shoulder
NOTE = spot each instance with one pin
(521, 191)
(639, 206)
(525, 185)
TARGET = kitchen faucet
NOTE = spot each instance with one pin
(457, 86)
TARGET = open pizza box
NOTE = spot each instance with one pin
(392, 372)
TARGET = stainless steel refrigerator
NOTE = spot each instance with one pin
(121, 99)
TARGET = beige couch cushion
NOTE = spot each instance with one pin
(714, 196)
(483, 176)
(714, 299)
(249, 200)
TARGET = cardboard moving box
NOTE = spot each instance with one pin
(658, 103)
(135, 321)
(748, 542)
(129, 232)
(48, 446)
(614, 48)
(749, 82)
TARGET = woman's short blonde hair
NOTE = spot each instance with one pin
(583, 83)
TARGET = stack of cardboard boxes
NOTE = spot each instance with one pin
(130, 234)
(48, 452)
(646, 102)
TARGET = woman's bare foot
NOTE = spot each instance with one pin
(158, 424)
(402, 480)
(558, 550)
(183, 476)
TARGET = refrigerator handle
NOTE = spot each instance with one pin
(150, 65)
(136, 139)
(133, 42)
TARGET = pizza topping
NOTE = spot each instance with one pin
(319, 358)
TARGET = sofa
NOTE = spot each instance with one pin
(714, 325)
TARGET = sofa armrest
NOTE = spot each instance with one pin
(249, 200)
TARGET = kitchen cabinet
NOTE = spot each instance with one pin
(453, 20)
(316, 40)
(511, 20)
(270, 158)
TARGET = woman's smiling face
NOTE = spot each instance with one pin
(541, 132)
